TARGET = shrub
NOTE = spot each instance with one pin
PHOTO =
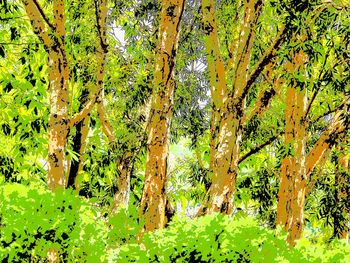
(217, 238)
(32, 221)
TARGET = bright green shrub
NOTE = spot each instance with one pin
(124, 226)
(32, 221)
(218, 238)
(213, 238)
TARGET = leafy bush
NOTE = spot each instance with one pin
(213, 238)
(124, 226)
(33, 221)
(217, 238)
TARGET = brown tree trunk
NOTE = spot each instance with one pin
(291, 195)
(79, 144)
(153, 202)
(58, 84)
(58, 88)
(297, 167)
(342, 194)
(52, 36)
(124, 167)
(227, 107)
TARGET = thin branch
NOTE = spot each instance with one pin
(13, 17)
(260, 106)
(37, 22)
(106, 126)
(329, 112)
(84, 112)
(185, 38)
(264, 60)
(314, 95)
(257, 148)
(46, 19)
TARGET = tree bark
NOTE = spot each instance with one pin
(341, 229)
(297, 166)
(125, 168)
(58, 84)
(86, 104)
(227, 107)
(291, 194)
(79, 144)
(153, 202)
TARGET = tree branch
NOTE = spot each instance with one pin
(265, 96)
(37, 22)
(20, 44)
(46, 19)
(338, 125)
(260, 106)
(257, 148)
(186, 36)
(101, 17)
(314, 95)
(264, 60)
(84, 112)
(329, 112)
(216, 67)
(314, 180)
(106, 126)
(252, 12)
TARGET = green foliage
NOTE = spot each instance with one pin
(217, 238)
(124, 226)
(32, 220)
(35, 220)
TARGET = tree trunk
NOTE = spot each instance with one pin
(79, 143)
(341, 228)
(124, 167)
(291, 194)
(58, 84)
(153, 202)
(227, 107)
(58, 88)
(225, 157)
(58, 120)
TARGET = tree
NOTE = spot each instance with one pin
(341, 194)
(58, 77)
(229, 113)
(154, 201)
(298, 163)
(53, 36)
